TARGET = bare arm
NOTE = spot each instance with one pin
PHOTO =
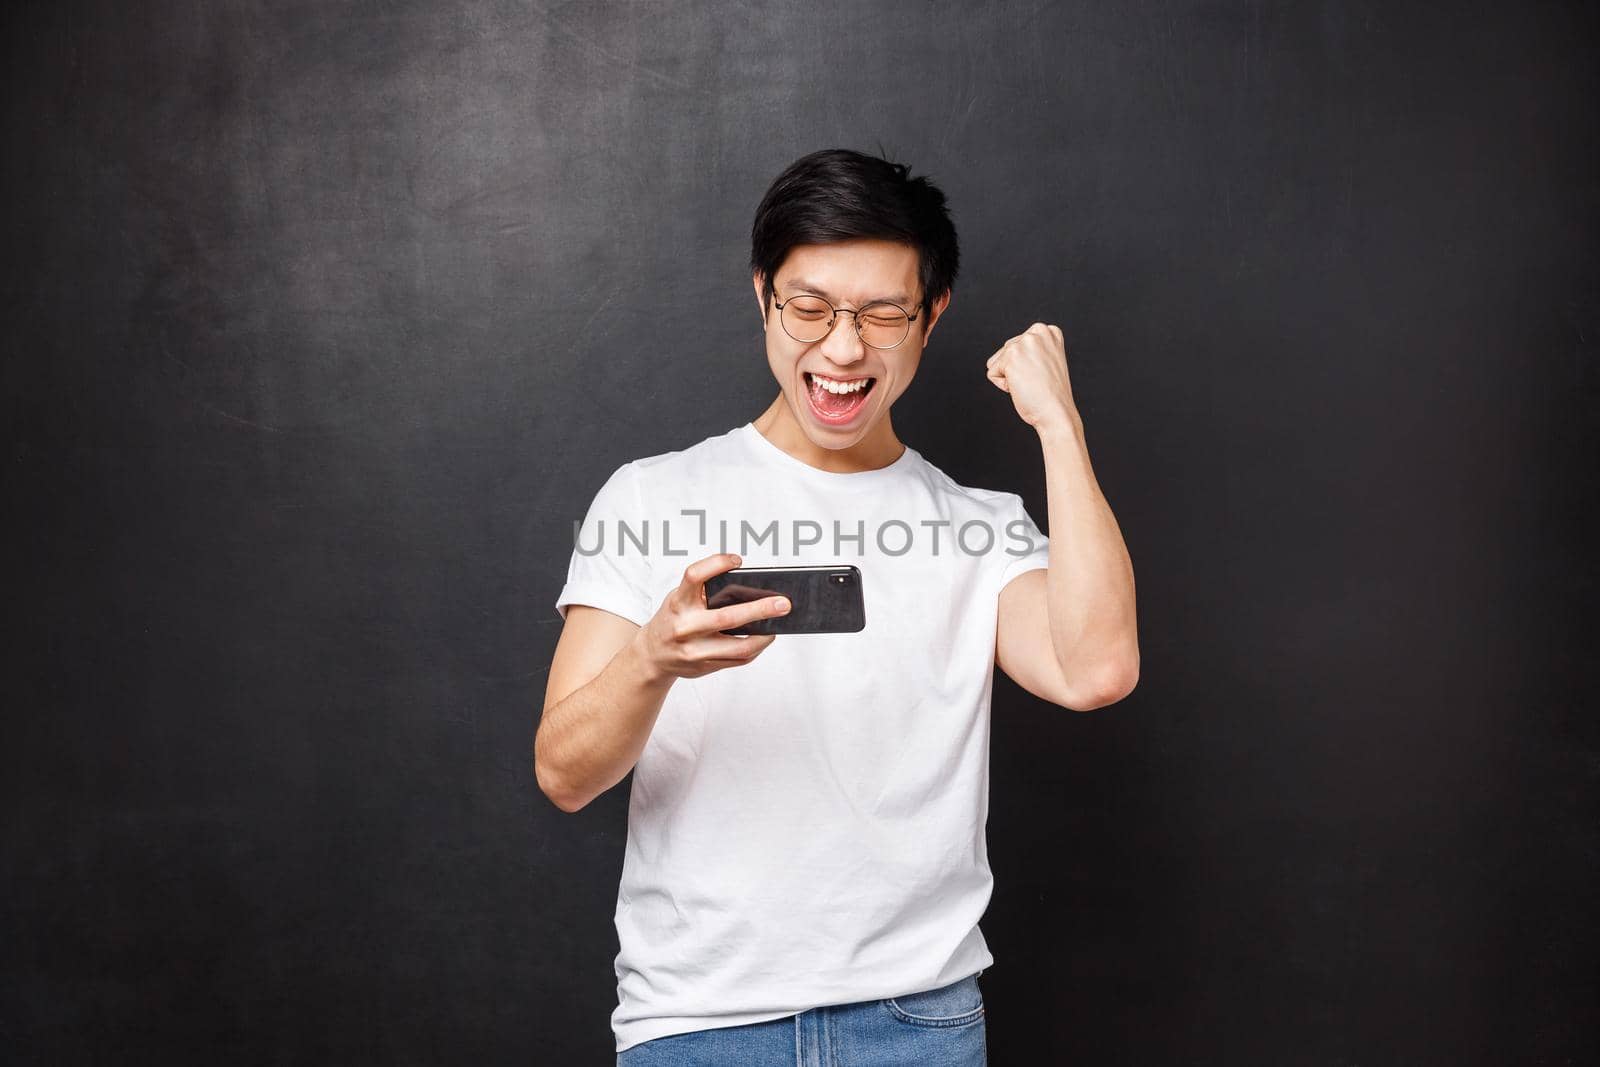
(609, 678)
(592, 731)
(1069, 634)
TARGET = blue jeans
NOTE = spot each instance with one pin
(938, 1028)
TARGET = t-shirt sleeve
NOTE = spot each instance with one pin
(607, 570)
(1023, 546)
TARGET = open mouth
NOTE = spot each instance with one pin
(837, 400)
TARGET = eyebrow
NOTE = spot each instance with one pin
(802, 284)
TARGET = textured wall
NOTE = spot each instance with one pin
(324, 322)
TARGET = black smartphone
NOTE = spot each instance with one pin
(823, 599)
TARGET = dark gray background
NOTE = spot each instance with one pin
(324, 322)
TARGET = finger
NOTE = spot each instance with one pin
(701, 569)
(721, 664)
(691, 590)
(736, 615)
(724, 664)
(728, 650)
(744, 647)
(1056, 332)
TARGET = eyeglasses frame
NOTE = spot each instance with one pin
(855, 319)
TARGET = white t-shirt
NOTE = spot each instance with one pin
(809, 828)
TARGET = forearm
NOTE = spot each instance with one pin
(589, 741)
(1090, 580)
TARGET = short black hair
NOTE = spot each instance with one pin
(839, 195)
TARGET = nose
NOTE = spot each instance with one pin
(843, 345)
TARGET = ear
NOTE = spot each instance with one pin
(933, 315)
(761, 301)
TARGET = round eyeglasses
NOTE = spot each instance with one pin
(809, 318)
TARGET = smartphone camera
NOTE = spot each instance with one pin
(842, 579)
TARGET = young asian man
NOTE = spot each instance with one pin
(806, 860)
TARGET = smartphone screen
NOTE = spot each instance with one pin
(823, 599)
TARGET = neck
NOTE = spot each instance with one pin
(878, 448)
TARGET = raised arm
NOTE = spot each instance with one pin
(1069, 633)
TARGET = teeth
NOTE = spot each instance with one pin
(841, 387)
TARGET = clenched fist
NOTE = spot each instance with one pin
(1032, 368)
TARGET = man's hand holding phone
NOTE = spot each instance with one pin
(683, 638)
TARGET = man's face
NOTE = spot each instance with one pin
(849, 275)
